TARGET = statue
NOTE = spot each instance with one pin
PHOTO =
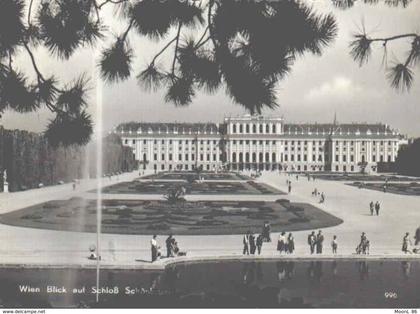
(5, 183)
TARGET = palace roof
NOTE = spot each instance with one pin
(157, 127)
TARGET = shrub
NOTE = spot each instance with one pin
(49, 206)
(159, 226)
(65, 214)
(283, 201)
(299, 220)
(295, 209)
(32, 216)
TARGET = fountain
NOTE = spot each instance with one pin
(99, 142)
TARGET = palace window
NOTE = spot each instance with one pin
(274, 128)
(261, 128)
(186, 157)
(234, 128)
(241, 128)
(247, 128)
(254, 128)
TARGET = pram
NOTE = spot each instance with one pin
(363, 248)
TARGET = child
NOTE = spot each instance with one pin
(334, 245)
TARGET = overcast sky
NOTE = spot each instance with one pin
(317, 87)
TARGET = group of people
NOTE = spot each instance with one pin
(407, 244)
(364, 246)
(172, 248)
(252, 243)
(374, 208)
(321, 195)
(286, 244)
(316, 242)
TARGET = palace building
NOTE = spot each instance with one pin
(261, 143)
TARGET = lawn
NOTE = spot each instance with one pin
(195, 187)
(362, 177)
(190, 176)
(162, 217)
(412, 188)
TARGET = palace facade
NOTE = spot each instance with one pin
(261, 143)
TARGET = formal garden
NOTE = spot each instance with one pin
(412, 188)
(173, 215)
(363, 177)
(192, 175)
(192, 187)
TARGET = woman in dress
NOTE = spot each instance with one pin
(406, 247)
(290, 243)
(281, 243)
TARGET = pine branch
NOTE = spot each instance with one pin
(176, 48)
(163, 49)
(124, 36)
(386, 39)
(29, 12)
(110, 1)
(40, 77)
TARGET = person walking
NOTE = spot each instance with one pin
(154, 248)
(266, 232)
(246, 243)
(260, 240)
(290, 243)
(417, 236)
(372, 208)
(319, 242)
(289, 188)
(406, 246)
(168, 243)
(334, 244)
(322, 200)
(312, 242)
(377, 208)
(252, 246)
(281, 242)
